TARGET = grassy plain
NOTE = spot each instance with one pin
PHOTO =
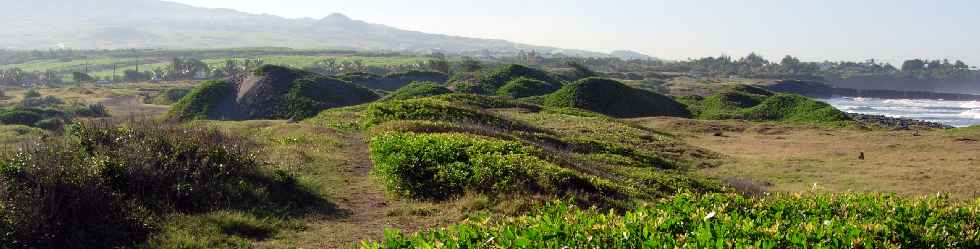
(797, 157)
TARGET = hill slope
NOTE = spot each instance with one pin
(613, 98)
(272, 92)
(105, 24)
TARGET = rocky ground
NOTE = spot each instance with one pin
(897, 123)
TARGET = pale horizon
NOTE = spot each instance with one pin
(889, 31)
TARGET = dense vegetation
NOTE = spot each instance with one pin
(450, 145)
(615, 99)
(168, 96)
(106, 186)
(526, 87)
(418, 90)
(489, 81)
(723, 221)
(754, 103)
(202, 102)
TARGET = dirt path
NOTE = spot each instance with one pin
(364, 210)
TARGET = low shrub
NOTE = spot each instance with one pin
(435, 110)
(169, 96)
(439, 166)
(418, 90)
(723, 221)
(108, 186)
(201, 101)
(526, 87)
(96, 110)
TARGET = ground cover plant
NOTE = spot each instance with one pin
(722, 221)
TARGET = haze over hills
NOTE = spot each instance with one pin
(108, 24)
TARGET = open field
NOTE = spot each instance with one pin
(794, 158)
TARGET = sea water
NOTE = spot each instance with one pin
(955, 113)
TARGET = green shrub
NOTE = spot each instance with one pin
(94, 110)
(435, 110)
(201, 102)
(489, 82)
(526, 87)
(51, 124)
(169, 96)
(613, 98)
(439, 166)
(108, 186)
(40, 102)
(723, 221)
(418, 90)
(31, 93)
(20, 116)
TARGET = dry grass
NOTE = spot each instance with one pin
(798, 157)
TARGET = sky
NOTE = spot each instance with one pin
(853, 30)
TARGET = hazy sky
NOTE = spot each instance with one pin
(888, 30)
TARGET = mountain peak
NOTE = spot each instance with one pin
(336, 17)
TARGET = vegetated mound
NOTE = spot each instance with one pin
(754, 103)
(794, 108)
(106, 186)
(713, 220)
(616, 99)
(488, 82)
(168, 97)
(526, 87)
(726, 103)
(393, 81)
(440, 147)
(271, 92)
(418, 90)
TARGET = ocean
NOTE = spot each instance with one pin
(955, 113)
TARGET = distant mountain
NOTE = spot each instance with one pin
(631, 55)
(105, 24)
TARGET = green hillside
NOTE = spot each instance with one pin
(613, 98)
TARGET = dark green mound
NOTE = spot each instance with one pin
(202, 102)
(169, 96)
(393, 81)
(754, 103)
(613, 98)
(728, 102)
(489, 82)
(418, 90)
(794, 108)
(526, 87)
(272, 92)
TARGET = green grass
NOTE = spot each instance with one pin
(722, 221)
(418, 90)
(615, 99)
